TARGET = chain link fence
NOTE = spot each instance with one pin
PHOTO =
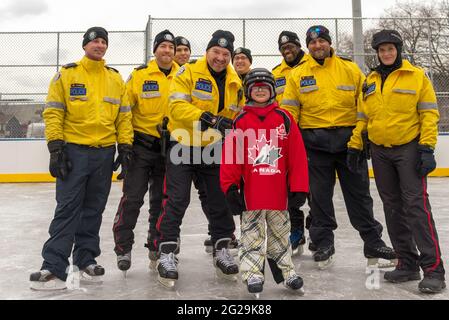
(28, 60)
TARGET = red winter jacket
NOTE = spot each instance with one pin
(270, 159)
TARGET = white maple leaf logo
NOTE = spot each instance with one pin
(263, 153)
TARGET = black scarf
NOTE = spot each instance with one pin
(220, 79)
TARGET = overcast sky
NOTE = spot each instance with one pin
(63, 15)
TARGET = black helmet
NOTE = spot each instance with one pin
(259, 75)
(386, 36)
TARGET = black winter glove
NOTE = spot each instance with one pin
(354, 160)
(296, 199)
(426, 162)
(125, 159)
(223, 124)
(60, 165)
(235, 200)
(207, 120)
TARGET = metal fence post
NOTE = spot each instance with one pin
(430, 51)
(57, 50)
(244, 33)
(148, 39)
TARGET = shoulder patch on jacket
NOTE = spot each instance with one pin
(70, 65)
(111, 68)
(276, 66)
(301, 62)
(142, 66)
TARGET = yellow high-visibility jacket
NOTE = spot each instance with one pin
(324, 96)
(194, 91)
(281, 73)
(87, 104)
(405, 108)
(147, 89)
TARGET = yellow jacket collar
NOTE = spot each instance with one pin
(92, 65)
(406, 66)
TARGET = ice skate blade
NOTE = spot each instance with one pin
(298, 251)
(256, 295)
(228, 277)
(52, 285)
(374, 263)
(323, 265)
(87, 279)
(124, 274)
(167, 283)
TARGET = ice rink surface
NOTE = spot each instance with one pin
(27, 209)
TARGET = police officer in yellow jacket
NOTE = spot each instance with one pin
(399, 110)
(204, 98)
(321, 93)
(86, 113)
(290, 48)
(147, 89)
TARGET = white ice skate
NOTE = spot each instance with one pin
(44, 280)
(92, 274)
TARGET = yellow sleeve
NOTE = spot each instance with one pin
(132, 95)
(180, 107)
(55, 108)
(123, 122)
(290, 99)
(356, 141)
(428, 114)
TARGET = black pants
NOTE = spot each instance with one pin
(355, 187)
(407, 208)
(179, 179)
(146, 174)
(81, 199)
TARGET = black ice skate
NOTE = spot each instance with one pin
(255, 286)
(297, 240)
(208, 246)
(92, 274)
(124, 262)
(224, 263)
(167, 265)
(374, 254)
(295, 283)
(432, 283)
(324, 257)
(44, 280)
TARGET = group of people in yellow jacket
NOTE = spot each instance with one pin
(167, 117)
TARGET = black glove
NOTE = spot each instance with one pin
(60, 165)
(235, 200)
(125, 158)
(353, 160)
(296, 199)
(426, 162)
(207, 120)
(222, 124)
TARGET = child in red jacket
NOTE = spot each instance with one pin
(266, 151)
